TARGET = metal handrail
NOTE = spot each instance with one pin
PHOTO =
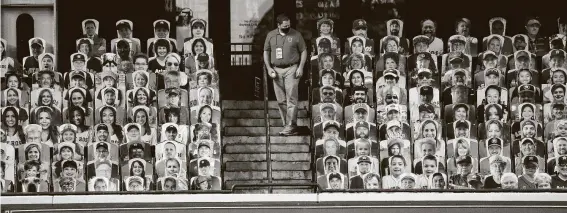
(116, 193)
(267, 128)
(443, 190)
(270, 185)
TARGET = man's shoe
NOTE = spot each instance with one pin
(286, 130)
(293, 130)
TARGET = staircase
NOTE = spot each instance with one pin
(244, 155)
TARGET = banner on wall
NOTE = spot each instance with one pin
(310, 11)
(245, 18)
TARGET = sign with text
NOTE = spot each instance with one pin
(246, 17)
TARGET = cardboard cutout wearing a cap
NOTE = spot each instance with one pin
(457, 39)
(78, 57)
(96, 23)
(354, 168)
(117, 98)
(67, 127)
(112, 152)
(167, 132)
(134, 179)
(132, 138)
(531, 62)
(206, 162)
(37, 40)
(353, 117)
(127, 23)
(161, 23)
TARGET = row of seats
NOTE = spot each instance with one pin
(392, 119)
(119, 120)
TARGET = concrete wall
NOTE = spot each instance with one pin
(44, 26)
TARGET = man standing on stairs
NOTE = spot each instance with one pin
(285, 54)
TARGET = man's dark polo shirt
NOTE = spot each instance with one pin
(292, 43)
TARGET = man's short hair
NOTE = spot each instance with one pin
(281, 18)
(90, 22)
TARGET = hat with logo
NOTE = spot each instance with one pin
(492, 71)
(362, 124)
(78, 57)
(161, 24)
(426, 108)
(562, 160)
(102, 144)
(36, 42)
(527, 88)
(557, 53)
(202, 57)
(364, 159)
(359, 23)
(530, 160)
(495, 142)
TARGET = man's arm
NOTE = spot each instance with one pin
(269, 69)
(299, 71)
(267, 54)
(303, 48)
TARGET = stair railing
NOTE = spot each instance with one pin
(267, 128)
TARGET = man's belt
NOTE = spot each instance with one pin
(284, 66)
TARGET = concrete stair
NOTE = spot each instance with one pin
(244, 148)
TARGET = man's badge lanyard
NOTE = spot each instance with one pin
(279, 49)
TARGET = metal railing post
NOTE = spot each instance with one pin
(267, 120)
